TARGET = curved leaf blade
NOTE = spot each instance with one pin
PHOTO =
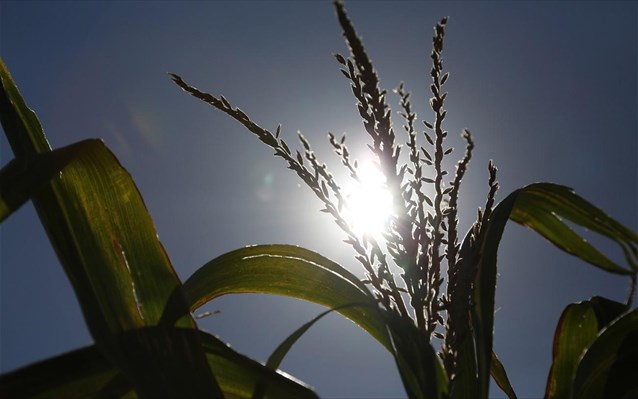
(289, 271)
(497, 370)
(275, 359)
(99, 226)
(299, 273)
(105, 239)
(541, 206)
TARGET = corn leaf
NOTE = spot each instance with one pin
(86, 373)
(105, 239)
(543, 206)
(299, 273)
(275, 359)
(608, 367)
(576, 330)
(20, 179)
(540, 207)
(497, 370)
(289, 271)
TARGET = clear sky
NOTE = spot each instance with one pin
(548, 90)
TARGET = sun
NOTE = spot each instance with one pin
(368, 202)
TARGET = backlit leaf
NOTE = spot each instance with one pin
(108, 246)
(576, 330)
(289, 271)
(21, 178)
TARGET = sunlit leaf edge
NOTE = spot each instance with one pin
(285, 270)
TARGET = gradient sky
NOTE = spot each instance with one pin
(548, 90)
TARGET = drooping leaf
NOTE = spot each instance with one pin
(542, 206)
(497, 370)
(538, 206)
(106, 242)
(289, 271)
(275, 359)
(576, 330)
(608, 368)
(86, 373)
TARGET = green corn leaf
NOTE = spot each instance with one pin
(106, 242)
(500, 377)
(99, 225)
(538, 206)
(608, 367)
(275, 359)
(20, 179)
(21, 125)
(86, 373)
(543, 206)
(576, 330)
(299, 273)
(289, 271)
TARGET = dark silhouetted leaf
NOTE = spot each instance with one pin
(86, 373)
(418, 364)
(608, 368)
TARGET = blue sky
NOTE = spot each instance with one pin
(548, 89)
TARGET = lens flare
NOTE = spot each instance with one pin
(368, 202)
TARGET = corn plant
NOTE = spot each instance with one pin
(428, 291)
(428, 294)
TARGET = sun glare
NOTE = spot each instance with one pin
(369, 203)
